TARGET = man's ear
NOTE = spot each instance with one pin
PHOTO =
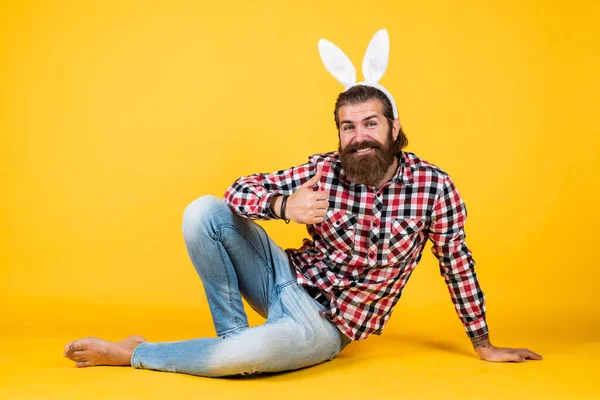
(395, 128)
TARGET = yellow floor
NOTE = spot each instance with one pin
(411, 360)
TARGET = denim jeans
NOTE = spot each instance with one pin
(235, 257)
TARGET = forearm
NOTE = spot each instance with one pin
(248, 198)
(251, 196)
(469, 302)
(468, 298)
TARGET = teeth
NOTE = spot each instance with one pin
(363, 150)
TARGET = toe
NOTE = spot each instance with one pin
(79, 345)
(82, 364)
(67, 348)
(78, 355)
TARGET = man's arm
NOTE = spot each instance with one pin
(260, 196)
(252, 196)
(456, 262)
(458, 269)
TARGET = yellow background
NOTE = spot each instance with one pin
(115, 115)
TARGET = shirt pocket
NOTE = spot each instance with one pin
(338, 231)
(404, 235)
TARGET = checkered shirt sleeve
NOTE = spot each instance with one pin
(455, 259)
(250, 196)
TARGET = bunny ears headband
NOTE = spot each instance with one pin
(374, 64)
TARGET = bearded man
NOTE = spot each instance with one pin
(369, 209)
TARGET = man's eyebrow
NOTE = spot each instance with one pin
(347, 121)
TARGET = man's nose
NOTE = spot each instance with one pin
(361, 133)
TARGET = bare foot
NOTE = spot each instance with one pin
(93, 351)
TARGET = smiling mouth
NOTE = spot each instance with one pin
(363, 151)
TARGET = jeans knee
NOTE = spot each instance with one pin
(201, 213)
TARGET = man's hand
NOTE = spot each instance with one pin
(487, 352)
(306, 206)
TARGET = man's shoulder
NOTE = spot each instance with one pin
(320, 158)
(423, 168)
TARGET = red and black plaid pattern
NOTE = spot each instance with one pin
(363, 253)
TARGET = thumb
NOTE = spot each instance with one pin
(314, 180)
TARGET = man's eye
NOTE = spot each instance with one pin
(371, 123)
(348, 127)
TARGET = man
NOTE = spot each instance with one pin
(369, 209)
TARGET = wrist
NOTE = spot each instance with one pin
(483, 351)
(482, 344)
(275, 205)
(282, 213)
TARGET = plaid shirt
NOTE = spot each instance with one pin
(361, 256)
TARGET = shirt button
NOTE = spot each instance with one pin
(375, 224)
(371, 254)
(378, 194)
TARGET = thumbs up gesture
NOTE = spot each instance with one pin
(306, 206)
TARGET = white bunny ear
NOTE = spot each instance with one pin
(337, 63)
(376, 57)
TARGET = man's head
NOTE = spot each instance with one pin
(370, 137)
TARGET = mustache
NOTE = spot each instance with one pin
(367, 143)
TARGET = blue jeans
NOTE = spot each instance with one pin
(235, 257)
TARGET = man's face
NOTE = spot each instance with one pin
(367, 142)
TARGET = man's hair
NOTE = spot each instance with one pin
(362, 93)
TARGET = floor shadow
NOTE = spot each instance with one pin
(396, 340)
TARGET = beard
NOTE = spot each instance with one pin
(368, 169)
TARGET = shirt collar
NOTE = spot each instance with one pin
(404, 171)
